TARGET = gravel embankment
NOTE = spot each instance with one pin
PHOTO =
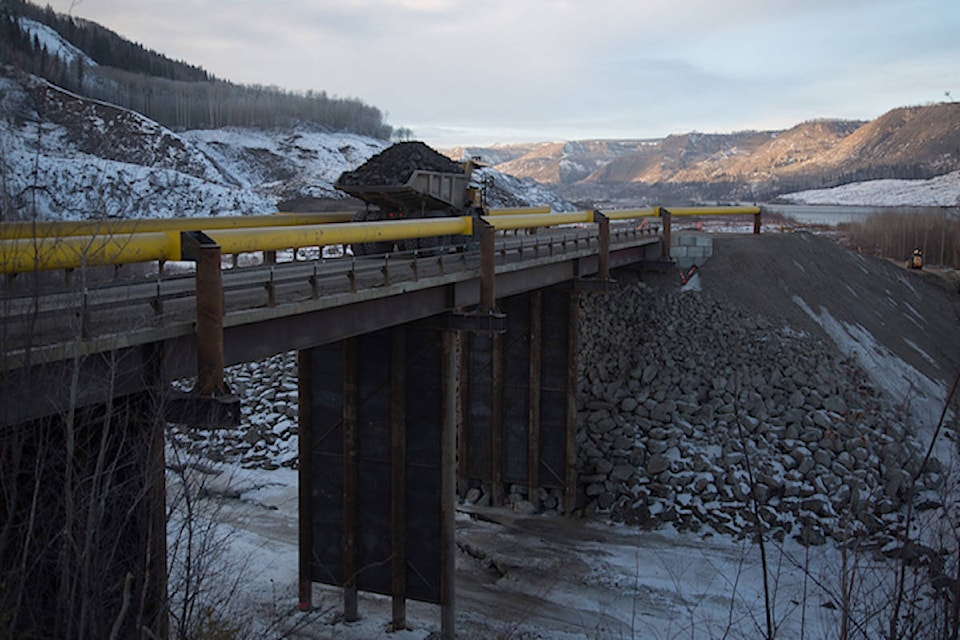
(682, 399)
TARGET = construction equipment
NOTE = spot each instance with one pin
(916, 260)
(411, 180)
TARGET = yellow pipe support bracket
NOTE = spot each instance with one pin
(501, 223)
(24, 255)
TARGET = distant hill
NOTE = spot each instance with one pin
(907, 143)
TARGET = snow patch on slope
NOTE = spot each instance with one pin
(921, 396)
(942, 191)
(54, 42)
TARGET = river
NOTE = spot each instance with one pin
(833, 215)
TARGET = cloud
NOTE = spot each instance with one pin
(546, 66)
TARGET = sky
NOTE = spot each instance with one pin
(504, 71)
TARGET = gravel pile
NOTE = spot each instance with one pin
(395, 165)
(681, 399)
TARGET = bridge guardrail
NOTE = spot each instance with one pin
(94, 243)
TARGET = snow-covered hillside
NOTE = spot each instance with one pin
(63, 156)
(942, 191)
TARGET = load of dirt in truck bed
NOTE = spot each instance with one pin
(395, 165)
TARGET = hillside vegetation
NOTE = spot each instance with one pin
(98, 63)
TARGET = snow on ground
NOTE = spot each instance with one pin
(54, 43)
(534, 577)
(941, 191)
(303, 161)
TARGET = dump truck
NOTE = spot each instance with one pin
(411, 180)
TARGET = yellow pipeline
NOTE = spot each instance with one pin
(272, 239)
(126, 227)
(629, 214)
(23, 255)
(711, 211)
(518, 211)
(529, 222)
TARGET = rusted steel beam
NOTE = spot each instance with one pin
(665, 216)
(488, 276)
(398, 477)
(573, 350)
(350, 480)
(536, 371)
(603, 271)
(448, 466)
(209, 321)
(304, 418)
(463, 469)
(496, 422)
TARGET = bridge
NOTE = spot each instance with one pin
(408, 363)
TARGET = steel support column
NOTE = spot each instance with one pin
(398, 477)
(573, 351)
(665, 216)
(533, 420)
(209, 321)
(448, 480)
(350, 479)
(496, 421)
(488, 277)
(603, 250)
(304, 438)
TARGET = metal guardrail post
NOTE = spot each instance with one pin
(488, 274)
(756, 222)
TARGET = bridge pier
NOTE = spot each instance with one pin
(384, 417)
(518, 410)
(378, 415)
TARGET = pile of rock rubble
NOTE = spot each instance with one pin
(700, 416)
(267, 435)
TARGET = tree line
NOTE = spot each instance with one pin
(896, 234)
(173, 93)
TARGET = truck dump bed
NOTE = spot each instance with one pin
(429, 190)
(409, 176)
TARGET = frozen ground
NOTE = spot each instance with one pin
(531, 576)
